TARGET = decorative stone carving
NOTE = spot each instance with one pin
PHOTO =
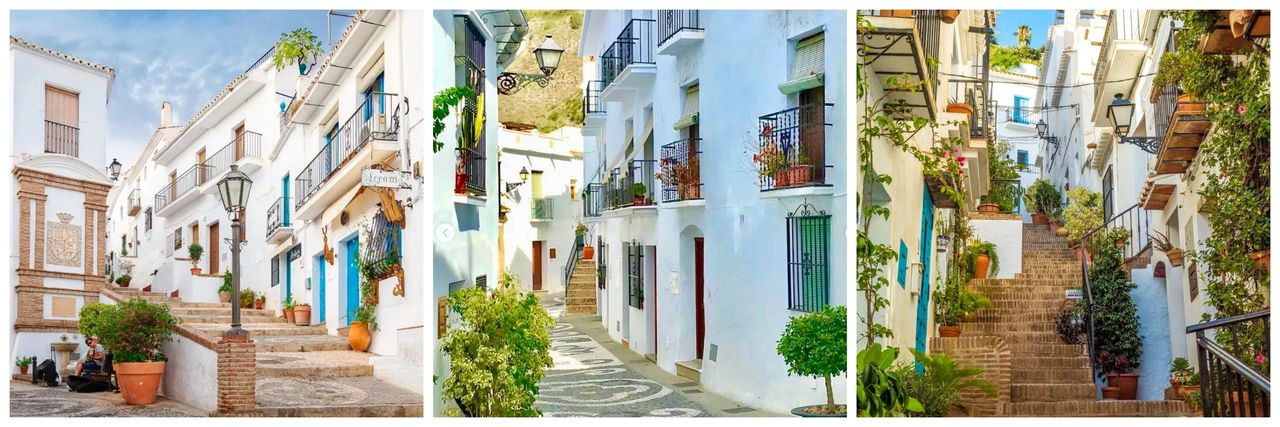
(64, 242)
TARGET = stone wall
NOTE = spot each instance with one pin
(986, 352)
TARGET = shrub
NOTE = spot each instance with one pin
(133, 330)
(953, 303)
(195, 251)
(1083, 213)
(816, 345)
(941, 383)
(498, 353)
(1043, 198)
(226, 283)
(882, 392)
(295, 47)
(1115, 316)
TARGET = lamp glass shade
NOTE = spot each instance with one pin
(234, 190)
(1042, 128)
(115, 168)
(548, 55)
(1120, 112)
(524, 175)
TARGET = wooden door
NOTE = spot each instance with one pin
(240, 142)
(173, 186)
(699, 304)
(537, 265)
(212, 250)
(200, 158)
(813, 141)
(62, 121)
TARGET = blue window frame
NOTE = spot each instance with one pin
(1019, 103)
(1022, 157)
(376, 87)
(902, 264)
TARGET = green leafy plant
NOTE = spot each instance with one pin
(26, 361)
(1180, 371)
(581, 229)
(1192, 400)
(133, 330)
(1042, 197)
(954, 303)
(1070, 324)
(227, 278)
(246, 298)
(1083, 213)
(368, 314)
(816, 345)
(498, 352)
(940, 385)
(1007, 58)
(981, 247)
(638, 189)
(296, 47)
(195, 251)
(1003, 169)
(289, 304)
(1118, 346)
(446, 101)
(882, 392)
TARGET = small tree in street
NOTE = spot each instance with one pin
(816, 345)
(500, 351)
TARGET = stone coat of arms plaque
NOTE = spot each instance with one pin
(63, 242)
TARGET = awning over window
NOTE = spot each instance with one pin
(690, 116)
(808, 66)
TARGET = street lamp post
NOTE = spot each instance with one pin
(234, 192)
(548, 56)
(114, 169)
(1042, 129)
(524, 177)
(1120, 112)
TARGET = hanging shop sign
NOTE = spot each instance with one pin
(377, 178)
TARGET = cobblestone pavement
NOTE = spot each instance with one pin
(27, 400)
(589, 381)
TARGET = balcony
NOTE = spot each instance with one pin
(680, 171)
(630, 187)
(135, 201)
(1183, 123)
(540, 209)
(179, 191)
(593, 200)
(1119, 59)
(974, 94)
(678, 31)
(903, 43)
(592, 107)
(61, 139)
(239, 151)
(279, 225)
(628, 64)
(366, 138)
(798, 137)
(471, 172)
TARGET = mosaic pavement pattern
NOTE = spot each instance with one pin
(588, 381)
(26, 400)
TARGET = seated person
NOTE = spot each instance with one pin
(92, 360)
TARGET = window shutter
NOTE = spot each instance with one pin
(690, 116)
(809, 57)
(61, 107)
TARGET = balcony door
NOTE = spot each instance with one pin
(699, 303)
(173, 186)
(62, 121)
(239, 134)
(813, 141)
(213, 248)
(537, 265)
(195, 233)
(200, 158)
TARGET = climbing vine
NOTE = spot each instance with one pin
(1233, 169)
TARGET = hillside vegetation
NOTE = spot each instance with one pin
(560, 103)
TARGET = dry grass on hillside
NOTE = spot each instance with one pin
(560, 103)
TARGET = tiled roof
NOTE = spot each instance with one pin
(16, 41)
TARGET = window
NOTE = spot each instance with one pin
(1022, 157)
(1019, 103)
(808, 259)
(635, 263)
(275, 270)
(808, 60)
(147, 219)
(902, 264)
(61, 121)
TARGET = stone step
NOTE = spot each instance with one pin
(691, 369)
(591, 301)
(300, 343)
(1101, 408)
(1024, 361)
(996, 316)
(1052, 376)
(314, 364)
(580, 309)
(182, 310)
(1019, 306)
(580, 292)
(1020, 290)
(226, 319)
(1053, 392)
(1036, 338)
(1073, 276)
(989, 328)
(1058, 349)
(335, 397)
(1023, 282)
(264, 329)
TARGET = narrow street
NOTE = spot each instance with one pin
(596, 377)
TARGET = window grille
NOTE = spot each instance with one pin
(635, 262)
(808, 258)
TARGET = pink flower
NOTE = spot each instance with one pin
(1240, 109)
(1261, 359)
(961, 158)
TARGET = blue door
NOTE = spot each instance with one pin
(284, 183)
(353, 280)
(374, 90)
(320, 285)
(926, 252)
(288, 274)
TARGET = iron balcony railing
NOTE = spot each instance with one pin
(381, 255)
(593, 200)
(591, 99)
(930, 29)
(249, 144)
(1234, 359)
(634, 45)
(369, 122)
(975, 94)
(794, 144)
(1136, 221)
(680, 171)
(541, 208)
(180, 186)
(276, 216)
(1007, 193)
(471, 168)
(1121, 25)
(632, 186)
(671, 22)
(135, 201)
(61, 139)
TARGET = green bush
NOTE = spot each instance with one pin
(1043, 198)
(226, 283)
(133, 330)
(953, 303)
(297, 46)
(195, 251)
(498, 353)
(941, 383)
(882, 392)
(1083, 213)
(1118, 345)
(816, 345)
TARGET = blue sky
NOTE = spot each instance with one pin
(184, 57)
(1008, 20)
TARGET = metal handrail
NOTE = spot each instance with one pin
(575, 255)
(1229, 386)
(674, 21)
(247, 145)
(354, 134)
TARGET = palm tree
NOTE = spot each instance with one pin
(1023, 34)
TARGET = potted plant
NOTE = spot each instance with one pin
(960, 108)
(638, 190)
(302, 314)
(195, 251)
(134, 332)
(366, 321)
(1042, 199)
(1262, 259)
(987, 206)
(1180, 373)
(816, 345)
(124, 280)
(981, 254)
(288, 309)
(948, 16)
(1118, 235)
(1192, 399)
(246, 298)
(1115, 317)
(954, 304)
(801, 172)
(260, 302)
(224, 291)
(460, 175)
(1083, 214)
(769, 160)
(1161, 243)
(296, 47)
(24, 363)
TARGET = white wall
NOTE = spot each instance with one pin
(190, 374)
(558, 156)
(32, 71)
(1007, 235)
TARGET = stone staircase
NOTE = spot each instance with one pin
(580, 294)
(1046, 377)
(301, 370)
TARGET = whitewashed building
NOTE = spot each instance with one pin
(58, 246)
(705, 261)
(1015, 120)
(543, 208)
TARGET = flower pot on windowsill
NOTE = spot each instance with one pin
(988, 208)
(948, 16)
(1175, 257)
(961, 108)
(948, 331)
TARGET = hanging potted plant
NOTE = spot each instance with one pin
(288, 309)
(224, 291)
(134, 332)
(981, 255)
(302, 314)
(1161, 242)
(816, 345)
(299, 46)
(195, 251)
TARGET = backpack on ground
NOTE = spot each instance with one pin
(88, 383)
(47, 373)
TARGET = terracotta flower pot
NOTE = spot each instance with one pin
(1111, 393)
(1061, 232)
(288, 315)
(801, 174)
(1187, 104)
(1175, 257)
(1239, 19)
(949, 331)
(1128, 385)
(24, 369)
(781, 179)
(1054, 225)
(896, 13)
(125, 283)
(690, 192)
(1238, 403)
(588, 252)
(1092, 145)
(1221, 40)
(961, 108)
(948, 16)
(225, 297)
(302, 315)
(980, 266)
(257, 305)
(637, 200)
(1039, 219)
(358, 336)
(989, 208)
(195, 271)
(139, 381)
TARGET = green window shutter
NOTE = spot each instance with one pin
(690, 115)
(809, 57)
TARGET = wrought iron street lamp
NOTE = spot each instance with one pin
(524, 177)
(114, 169)
(1042, 129)
(548, 56)
(234, 191)
(1120, 112)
